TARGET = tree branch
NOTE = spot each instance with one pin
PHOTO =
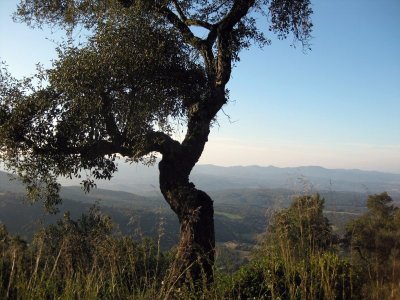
(239, 9)
(190, 22)
(179, 10)
(111, 126)
(199, 23)
(203, 46)
(187, 34)
(156, 141)
(97, 149)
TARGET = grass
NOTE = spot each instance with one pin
(83, 259)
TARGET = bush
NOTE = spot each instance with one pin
(374, 243)
(297, 258)
(80, 259)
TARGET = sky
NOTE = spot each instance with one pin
(336, 106)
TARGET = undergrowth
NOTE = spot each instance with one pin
(299, 257)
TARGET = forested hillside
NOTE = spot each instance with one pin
(241, 213)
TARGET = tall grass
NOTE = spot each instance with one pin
(299, 258)
(80, 260)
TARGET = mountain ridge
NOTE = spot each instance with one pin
(241, 202)
(143, 180)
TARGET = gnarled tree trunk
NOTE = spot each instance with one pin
(195, 253)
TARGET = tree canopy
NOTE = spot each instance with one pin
(138, 75)
(142, 71)
(115, 95)
(375, 236)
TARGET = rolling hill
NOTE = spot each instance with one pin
(244, 198)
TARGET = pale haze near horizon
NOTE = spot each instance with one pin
(336, 106)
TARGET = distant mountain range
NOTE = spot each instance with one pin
(143, 180)
(243, 197)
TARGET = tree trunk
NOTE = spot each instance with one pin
(195, 256)
(195, 253)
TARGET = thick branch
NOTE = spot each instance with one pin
(153, 141)
(239, 9)
(218, 71)
(203, 46)
(157, 141)
(224, 60)
(102, 148)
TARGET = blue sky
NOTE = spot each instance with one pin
(336, 106)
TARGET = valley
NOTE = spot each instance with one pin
(242, 199)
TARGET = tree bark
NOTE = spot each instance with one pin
(196, 248)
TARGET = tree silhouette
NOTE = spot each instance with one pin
(142, 70)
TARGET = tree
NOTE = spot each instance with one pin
(297, 258)
(375, 234)
(302, 229)
(142, 70)
(375, 239)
